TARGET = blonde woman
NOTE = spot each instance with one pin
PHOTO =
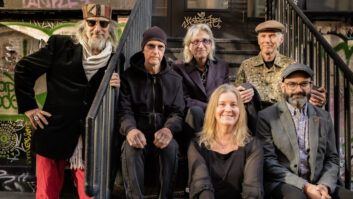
(224, 160)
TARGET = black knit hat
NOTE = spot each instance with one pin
(155, 33)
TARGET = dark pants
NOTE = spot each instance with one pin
(287, 191)
(194, 118)
(133, 168)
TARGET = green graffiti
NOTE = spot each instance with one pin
(24, 43)
(348, 52)
(41, 98)
(47, 31)
(3, 138)
(7, 97)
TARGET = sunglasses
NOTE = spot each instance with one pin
(152, 47)
(92, 23)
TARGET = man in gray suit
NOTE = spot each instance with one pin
(300, 156)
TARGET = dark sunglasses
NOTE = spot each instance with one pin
(92, 23)
(152, 47)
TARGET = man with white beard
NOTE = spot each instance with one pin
(74, 68)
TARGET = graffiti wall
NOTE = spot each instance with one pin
(65, 4)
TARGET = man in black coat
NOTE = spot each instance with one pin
(74, 69)
(151, 108)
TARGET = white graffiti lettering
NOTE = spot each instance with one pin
(54, 4)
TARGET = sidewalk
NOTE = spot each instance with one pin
(27, 195)
(17, 195)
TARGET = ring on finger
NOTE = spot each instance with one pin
(36, 118)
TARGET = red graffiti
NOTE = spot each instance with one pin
(53, 4)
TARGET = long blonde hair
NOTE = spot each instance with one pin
(241, 134)
(193, 30)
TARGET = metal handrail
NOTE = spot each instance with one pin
(306, 45)
(100, 121)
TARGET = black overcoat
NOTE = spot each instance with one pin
(69, 94)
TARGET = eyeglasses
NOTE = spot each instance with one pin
(92, 23)
(204, 42)
(152, 47)
(294, 85)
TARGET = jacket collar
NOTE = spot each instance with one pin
(194, 73)
(191, 66)
(259, 61)
(289, 128)
(137, 61)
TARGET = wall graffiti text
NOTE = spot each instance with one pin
(54, 4)
(7, 94)
(213, 22)
(22, 182)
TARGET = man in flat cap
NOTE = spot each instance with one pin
(263, 71)
(74, 68)
(300, 156)
(151, 107)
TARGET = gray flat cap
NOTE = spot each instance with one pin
(295, 68)
(270, 26)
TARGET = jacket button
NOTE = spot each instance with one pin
(295, 166)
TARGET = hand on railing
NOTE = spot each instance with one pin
(36, 116)
(115, 80)
(318, 97)
(136, 138)
(162, 138)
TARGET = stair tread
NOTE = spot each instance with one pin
(218, 40)
(218, 51)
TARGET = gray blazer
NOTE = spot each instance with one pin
(276, 129)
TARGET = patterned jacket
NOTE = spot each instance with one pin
(266, 81)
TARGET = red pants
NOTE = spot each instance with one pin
(50, 178)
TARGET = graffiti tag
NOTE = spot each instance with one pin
(15, 139)
(201, 18)
(22, 183)
(7, 94)
(53, 3)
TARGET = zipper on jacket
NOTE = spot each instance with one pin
(154, 102)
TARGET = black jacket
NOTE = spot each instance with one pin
(69, 94)
(150, 102)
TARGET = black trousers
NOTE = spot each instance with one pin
(287, 191)
(133, 168)
(194, 118)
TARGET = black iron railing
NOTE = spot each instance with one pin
(101, 117)
(306, 45)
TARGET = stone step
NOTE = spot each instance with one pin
(221, 44)
(231, 56)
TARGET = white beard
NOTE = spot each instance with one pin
(96, 44)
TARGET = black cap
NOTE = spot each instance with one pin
(295, 68)
(155, 33)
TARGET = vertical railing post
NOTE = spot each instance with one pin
(347, 134)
